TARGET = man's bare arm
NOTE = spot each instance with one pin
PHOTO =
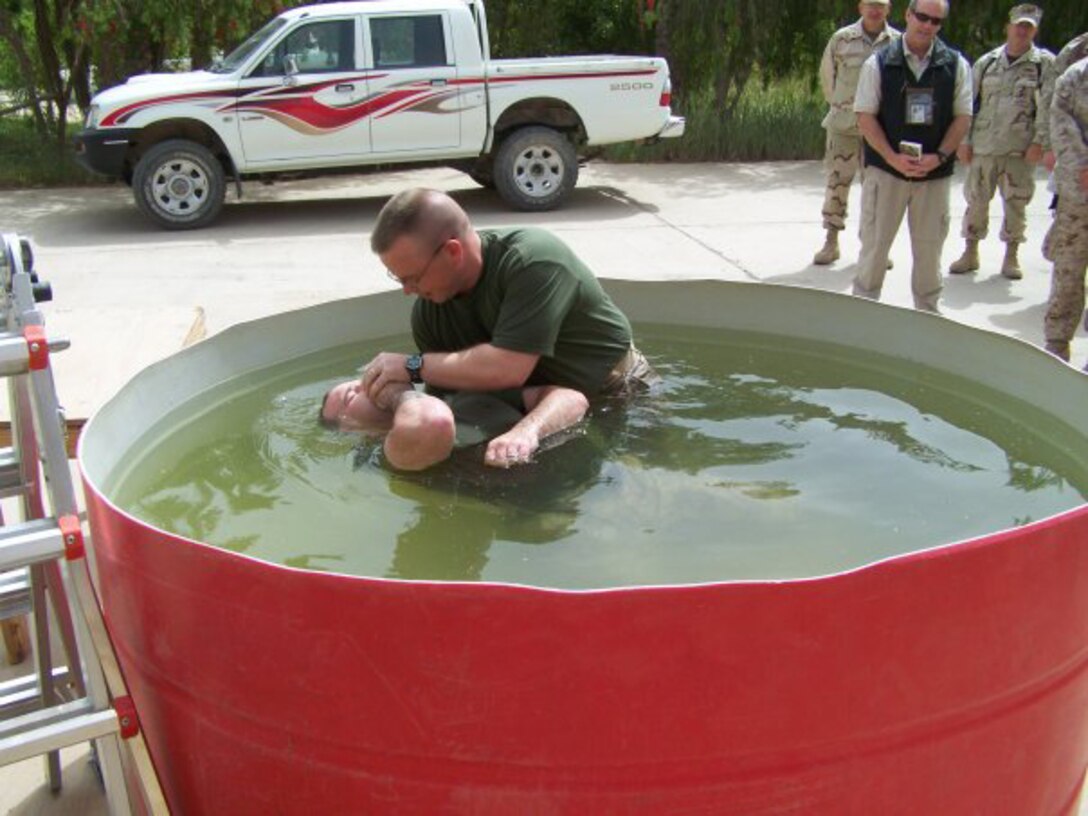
(481, 368)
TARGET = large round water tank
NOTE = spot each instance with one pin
(947, 681)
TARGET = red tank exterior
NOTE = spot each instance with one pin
(948, 682)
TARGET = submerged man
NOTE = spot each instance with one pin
(512, 312)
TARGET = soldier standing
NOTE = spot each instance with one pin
(1004, 143)
(840, 67)
(1067, 242)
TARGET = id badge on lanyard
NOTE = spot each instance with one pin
(920, 105)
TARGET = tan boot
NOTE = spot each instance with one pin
(1010, 268)
(968, 261)
(830, 251)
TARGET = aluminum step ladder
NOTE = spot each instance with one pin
(44, 571)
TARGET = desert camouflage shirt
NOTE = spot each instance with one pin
(1008, 106)
(1069, 129)
(840, 68)
(1075, 50)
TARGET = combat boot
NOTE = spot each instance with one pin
(830, 251)
(1010, 268)
(968, 262)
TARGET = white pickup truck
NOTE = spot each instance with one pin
(332, 86)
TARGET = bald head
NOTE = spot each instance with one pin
(427, 216)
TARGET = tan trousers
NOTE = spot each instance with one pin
(1015, 178)
(842, 161)
(884, 200)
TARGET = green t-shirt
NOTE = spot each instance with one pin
(534, 296)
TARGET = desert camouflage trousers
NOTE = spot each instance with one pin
(1015, 178)
(842, 161)
(1066, 245)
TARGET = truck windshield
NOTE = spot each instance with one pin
(239, 55)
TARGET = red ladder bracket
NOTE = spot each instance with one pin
(72, 532)
(37, 347)
(126, 716)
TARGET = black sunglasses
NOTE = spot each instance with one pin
(926, 18)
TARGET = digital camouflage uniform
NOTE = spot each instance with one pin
(1067, 242)
(840, 68)
(1074, 51)
(1008, 112)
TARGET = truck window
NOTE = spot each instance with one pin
(320, 47)
(408, 42)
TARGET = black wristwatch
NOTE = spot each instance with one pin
(944, 157)
(414, 364)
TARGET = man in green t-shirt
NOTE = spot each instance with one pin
(511, 312)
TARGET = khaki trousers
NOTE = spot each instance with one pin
(842, 161)
(884, 200)
(1015, 178)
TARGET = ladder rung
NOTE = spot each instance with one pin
(11, 479)
(15, 600)
(51, 729)
(29, 542)
(14, 355)
(23, 694)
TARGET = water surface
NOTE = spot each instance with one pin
(760, 458)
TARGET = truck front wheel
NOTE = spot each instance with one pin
(536, 168)
(179, 184)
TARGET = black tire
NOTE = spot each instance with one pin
(535, 169)
(483, 178)
(179, 184)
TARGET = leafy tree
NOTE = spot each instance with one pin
(47, 64)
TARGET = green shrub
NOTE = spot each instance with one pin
(773, 122)
(28, 160)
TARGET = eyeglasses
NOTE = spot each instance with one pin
(413, 281)
(927, 18)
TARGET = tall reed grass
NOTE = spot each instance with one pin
(776, 121)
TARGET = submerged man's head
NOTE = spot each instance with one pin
(345, 407)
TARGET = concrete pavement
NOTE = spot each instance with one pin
(127, 294)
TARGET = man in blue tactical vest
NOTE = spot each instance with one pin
(914, 107)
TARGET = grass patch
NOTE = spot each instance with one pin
(28, 160)
(776, 122)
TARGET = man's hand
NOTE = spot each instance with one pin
(1084, 179)
(912, 167)
(1034, 154)
(1049, 160)
(965, 153)
(385, 370)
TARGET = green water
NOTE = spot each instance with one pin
(760, 458)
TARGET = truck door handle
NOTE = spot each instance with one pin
(252, 118)
(439, 83)
(345, 87)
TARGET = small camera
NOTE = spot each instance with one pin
(912, 149)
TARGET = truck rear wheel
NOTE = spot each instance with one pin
(536, 168)
(179, 184)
